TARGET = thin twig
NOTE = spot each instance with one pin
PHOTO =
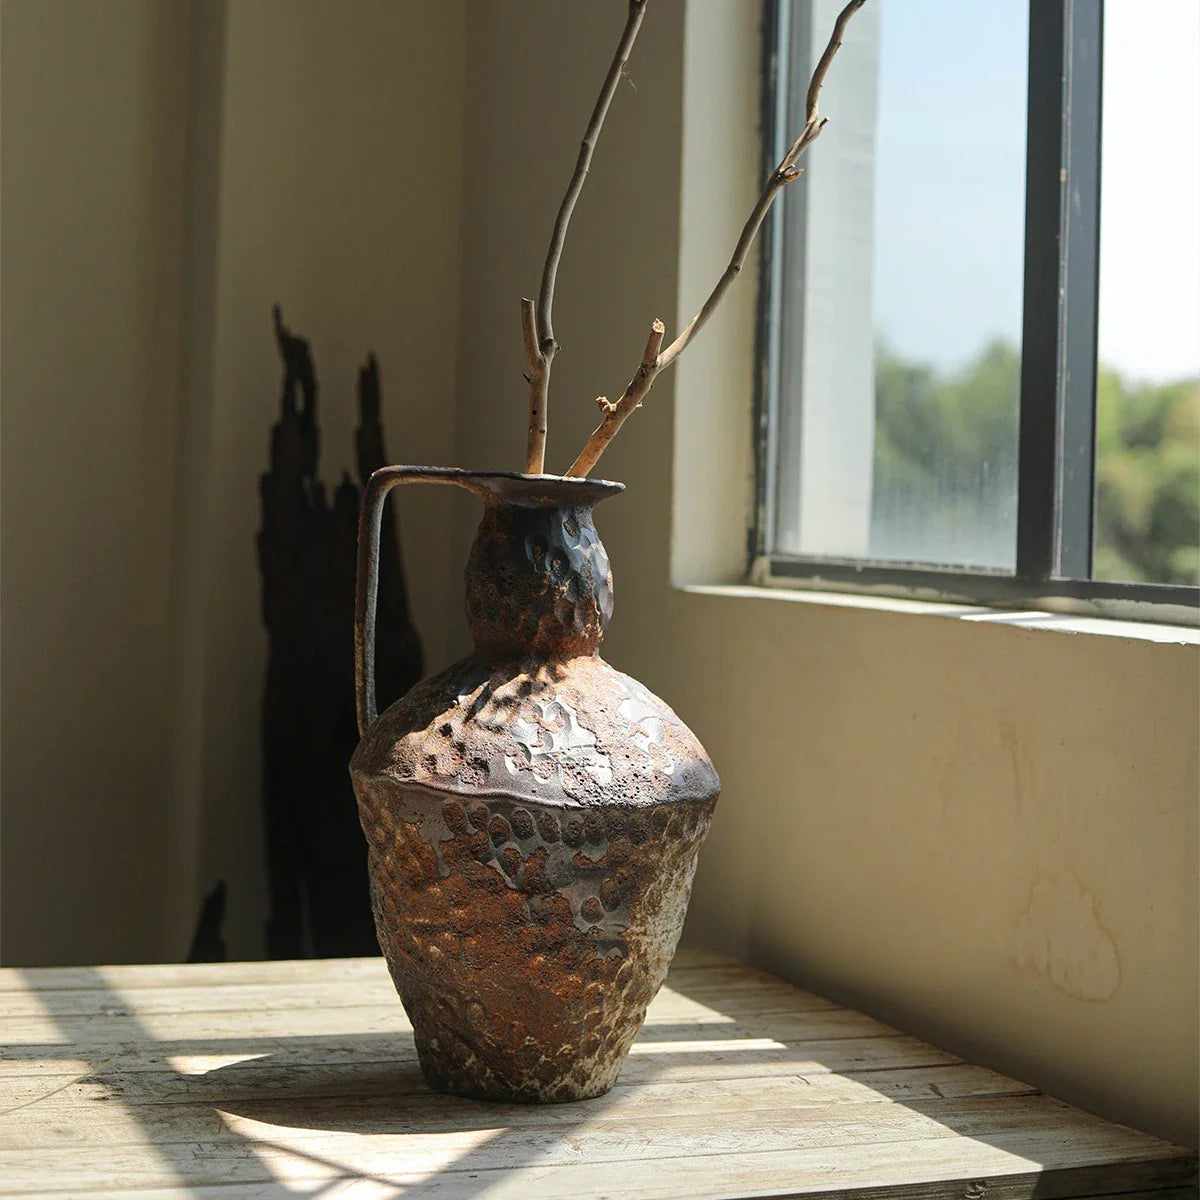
(537, 375)
(615, 415)
(779, 179)
(835, 44)
(547, 347)
(529, 331)
(545, 324)
(95, 1069)
(785, 173)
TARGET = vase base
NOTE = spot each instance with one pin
(565, 1092)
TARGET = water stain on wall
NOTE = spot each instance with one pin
(1060, 935)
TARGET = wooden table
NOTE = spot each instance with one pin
(299, 1079)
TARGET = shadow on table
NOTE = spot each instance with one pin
(309, 1110)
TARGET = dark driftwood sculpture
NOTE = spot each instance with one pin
(207, 943)
(316, 858)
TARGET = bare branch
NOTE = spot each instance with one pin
(783, 174)
(786, 172)
(653, 345)
(529, 332)
(544, 323)
(780, 178)
(615, 415)
(835, 44)
(538, 376)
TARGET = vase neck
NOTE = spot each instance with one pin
(538, 581)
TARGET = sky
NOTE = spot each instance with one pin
(950, 181)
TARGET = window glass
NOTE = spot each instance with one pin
(932, 275)
(1148, 383)
(949, 252)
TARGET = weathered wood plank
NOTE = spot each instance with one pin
(400, 1085)
(1170, 1193)
(165, 975)
(722, 1060)
(314, 970)
(663, 1159)
(676, 1020)
(723, 998)
(92, 1114)
(1026, 1186)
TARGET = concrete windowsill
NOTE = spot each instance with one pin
(1057, 622)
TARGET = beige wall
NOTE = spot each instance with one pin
(983, 832)
(171, 168)
(93, 143)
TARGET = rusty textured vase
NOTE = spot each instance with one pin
(533, 815)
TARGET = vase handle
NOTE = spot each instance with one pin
(366, 589)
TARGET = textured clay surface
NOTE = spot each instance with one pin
(548, 932)
(574, 732)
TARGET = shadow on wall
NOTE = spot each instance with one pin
(316, 854)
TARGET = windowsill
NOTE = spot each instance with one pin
(1072, 623)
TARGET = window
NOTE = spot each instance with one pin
(975, 385)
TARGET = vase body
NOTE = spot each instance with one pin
(533, 818)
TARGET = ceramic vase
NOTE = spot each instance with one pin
(533, 815)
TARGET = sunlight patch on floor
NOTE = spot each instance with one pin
(201, 1064)
(705, 1046)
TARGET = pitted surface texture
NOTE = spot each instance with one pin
(574, 732)
(547, 930)
(538, 583)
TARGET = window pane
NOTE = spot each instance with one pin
(908, 226)
(1148, 388)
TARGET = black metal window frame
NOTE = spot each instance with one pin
(1056, 441)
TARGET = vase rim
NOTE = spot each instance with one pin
(517, 487)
